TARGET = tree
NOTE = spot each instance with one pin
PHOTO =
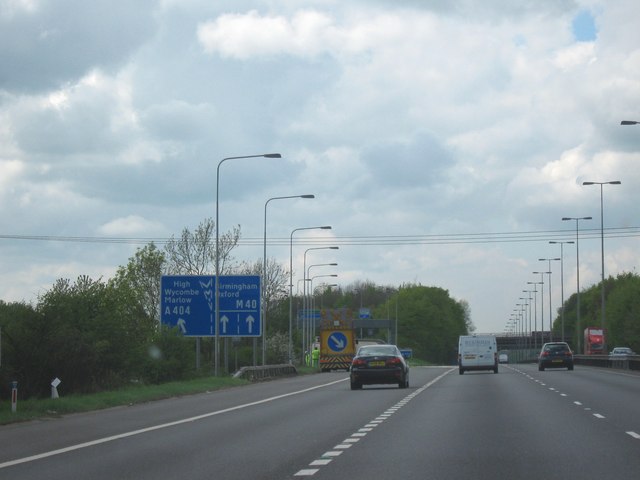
(274, 283)
(195, 252)
(429, 321)
(17, 346)
(139, 280)
(623, 312)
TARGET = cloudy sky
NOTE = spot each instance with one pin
(444, 140)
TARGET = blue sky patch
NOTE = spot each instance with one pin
(584, 27)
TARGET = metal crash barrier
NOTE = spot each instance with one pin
(256, 374)
(629, 362)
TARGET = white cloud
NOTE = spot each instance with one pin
(131, 225)
(403, 118)
(308, 33)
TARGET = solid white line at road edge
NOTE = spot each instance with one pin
(79, 446)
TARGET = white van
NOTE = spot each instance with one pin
(477, 352)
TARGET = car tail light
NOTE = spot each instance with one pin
(395, 361)
(544, 354)
(358, 362)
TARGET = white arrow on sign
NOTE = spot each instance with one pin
(224, 320)
(340, 344)
(182, 324)
(250, 321)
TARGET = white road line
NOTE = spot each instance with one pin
(634, 435)
(331, 454)
(343, 446)
(112, 438)
(307, 472)
(597, 415)
(362, 432)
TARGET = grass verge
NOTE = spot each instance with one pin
(48, 408)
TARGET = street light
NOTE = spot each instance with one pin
(612, 182)
(542, 302)
(629, 122)
(318, 276)
(529, 299)
(307, 305)
(305, 276)
(535, 311)
(550, 309)
(324, 227)
(217, 287)
(326, 287)
(562, 282)
(524, 327)
(264, 274)
(577, 333)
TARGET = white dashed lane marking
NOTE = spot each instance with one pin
(362, 432)
(575, 402)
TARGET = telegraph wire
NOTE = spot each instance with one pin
(364, 240)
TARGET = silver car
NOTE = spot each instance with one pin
(621, 352)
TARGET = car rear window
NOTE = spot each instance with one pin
(377, 350)
(556, 348)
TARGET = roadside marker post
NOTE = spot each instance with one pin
(14, 396)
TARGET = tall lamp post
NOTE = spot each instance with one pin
(529, 298)
(562, 283)
(307, 305)
(524, 325)
(305, 275)
(550, 309)
(217, 282)
(264, 273)
(535, 310)
(578, 332)
(311, 284)
(324, 227)
(613, 182)
(542, 302)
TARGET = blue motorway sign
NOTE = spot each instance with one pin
(188, 302)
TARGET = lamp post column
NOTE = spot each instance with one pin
(217, 280)
(264, 275)
(578, 333)
(602, 290)
(562, 285)
(290, 349)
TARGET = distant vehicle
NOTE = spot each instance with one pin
(379, 364)
(621, 351)
(477, 352)
(503, 358)
(593, 341)
(555, 355)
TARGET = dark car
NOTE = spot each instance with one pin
(555, 355)
(379, 364)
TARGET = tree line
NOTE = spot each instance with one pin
(622, 312)
(97, 334)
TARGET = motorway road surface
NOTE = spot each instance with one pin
(518, 424)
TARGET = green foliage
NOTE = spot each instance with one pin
(167, 358)
(429, 321)
(90, 335)
(622, 312)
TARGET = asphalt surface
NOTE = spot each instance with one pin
(520, 424)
